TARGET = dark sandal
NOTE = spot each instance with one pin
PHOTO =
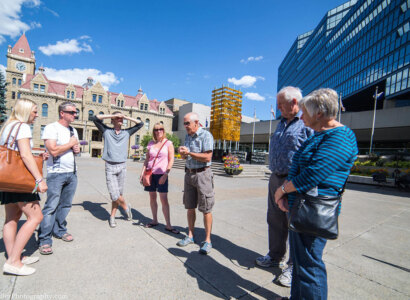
(172, 230)
(42, 249)
(150, 225)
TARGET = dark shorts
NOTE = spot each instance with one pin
(8, 197)
(155, 186)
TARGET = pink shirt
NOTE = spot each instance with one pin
(161, 163)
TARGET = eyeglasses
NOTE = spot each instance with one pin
(158, 129)
(187, 123)
(70, 112)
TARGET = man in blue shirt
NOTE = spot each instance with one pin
(198, 182)
(290, 134)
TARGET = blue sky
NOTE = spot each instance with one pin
(179, 48)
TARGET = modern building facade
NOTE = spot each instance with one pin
(356, 47)
(91, 98)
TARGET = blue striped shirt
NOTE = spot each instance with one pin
(201, 141)
(322, 165)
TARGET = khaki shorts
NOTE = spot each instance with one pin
(199, 191)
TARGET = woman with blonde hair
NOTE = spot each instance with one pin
(161, 151)
(25, 112)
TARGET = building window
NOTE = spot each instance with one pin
(42, 130)
(44, 110)
(14, 81)
(72, 95)
(118, 103)
(145, 106)
(78, 114)
(125, 122)
(90, 114)
(161, 122)
(13, 95)
(100, 113)
(68, 94)
(18, 95)
(141, 106)
(137, 139)
(96, 136)
(122, 103)
(19, 82)
(94, 98)
(147, 124)
(42, 88)
(35, 87)
(99, 99)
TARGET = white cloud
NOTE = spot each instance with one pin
(10, 15)
(79, 76)
(3, 69)
(246, 81)
(34, 25)
(55, 14)
(66, 47)
(254, 97)
(251, 58)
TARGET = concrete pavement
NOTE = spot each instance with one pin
(370, 260)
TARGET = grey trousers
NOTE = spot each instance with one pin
(277, 222)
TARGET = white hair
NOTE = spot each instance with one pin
(193, 116)
(323, 101)
(290, 92)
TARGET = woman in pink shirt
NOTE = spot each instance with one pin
(160, 170)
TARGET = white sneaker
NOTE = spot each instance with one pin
(266, 262)
(128, 212)
(12, 270)
(28, 260)
(285, 278)
(112, 222)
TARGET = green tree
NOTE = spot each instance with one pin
(3, 111)
(145, 140)
(174, 139)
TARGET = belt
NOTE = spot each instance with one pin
(195, 170)
(281, 175)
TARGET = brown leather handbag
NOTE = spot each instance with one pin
(147, 176)
(14, 176)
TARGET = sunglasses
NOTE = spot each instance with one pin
(158, 129)
(187, 123)
(70, 112)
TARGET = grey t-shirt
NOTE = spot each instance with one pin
(115, 145)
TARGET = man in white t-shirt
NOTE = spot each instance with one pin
(61, 141)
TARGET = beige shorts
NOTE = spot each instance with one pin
(199, 190)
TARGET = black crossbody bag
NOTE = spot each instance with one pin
(316, 215)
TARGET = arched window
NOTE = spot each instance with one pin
(118, 103)
(44, 110)
(147, 124)
(72, 95)
(90, 114)
(78, 114)
(68, 94)
(122, 103)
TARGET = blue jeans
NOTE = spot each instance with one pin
(60, 194)
(309, 278)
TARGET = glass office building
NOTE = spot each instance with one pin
(357, 46)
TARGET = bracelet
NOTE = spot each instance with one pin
(39, 180)
(36, 186)
(283, 189)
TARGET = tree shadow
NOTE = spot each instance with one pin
(29, 248)
(383, 190)
(218, 280)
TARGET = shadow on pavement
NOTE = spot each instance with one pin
(225, 282)
(383, 190)
(95, 209)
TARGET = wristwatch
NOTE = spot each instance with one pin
(283, 189)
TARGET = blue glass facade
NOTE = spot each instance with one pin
(357, 46)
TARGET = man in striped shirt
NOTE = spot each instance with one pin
(290, 134)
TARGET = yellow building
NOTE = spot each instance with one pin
(91, 98)
(226, 111)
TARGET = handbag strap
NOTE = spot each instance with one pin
(158, 153)
(15, 136)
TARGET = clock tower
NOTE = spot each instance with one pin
(20, 62)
